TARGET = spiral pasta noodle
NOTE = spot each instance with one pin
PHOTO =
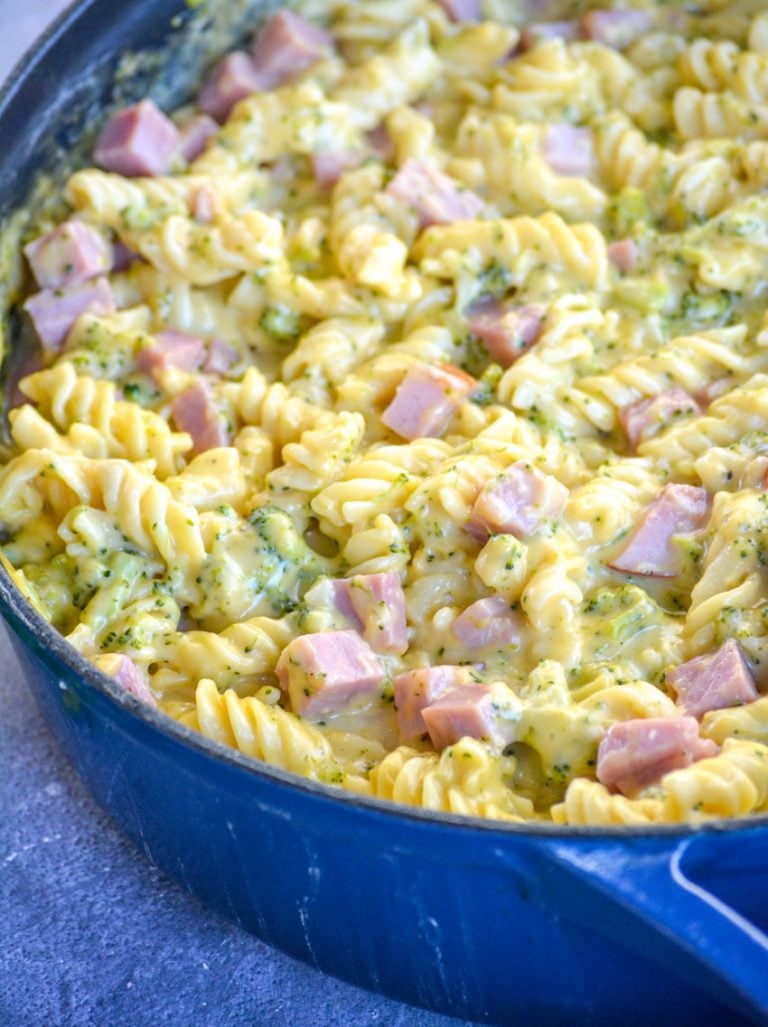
(264, 732)
(410, 434)
(125, 430)
(464, 779)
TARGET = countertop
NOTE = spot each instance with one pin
(93, 935)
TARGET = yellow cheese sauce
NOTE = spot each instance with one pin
(558, 224)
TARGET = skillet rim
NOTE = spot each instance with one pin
(44, 642)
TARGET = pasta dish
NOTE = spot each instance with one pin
(400, 415)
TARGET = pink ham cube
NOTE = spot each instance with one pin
(416, 689)
(506, 329)
(646, 417)
(541, 31)
(569, 150)
(343, 603)
(138, 140)
(517, 502)
(616, 29)
(426, 400)
(233, 78)
(380, 142)
(678, 510)
(325, 671)
(172, 350)
(221, 358)
(194, 411)
(204, 204)
(329, 165)
(461, 10)
(436, 198)
(623, 255)
(286, 46)
(123, 257)
(125, 672)
(54, 312)
(713, 390)
(638, 753)
(714, 681)
(70, 254)
(194, 136)
(375, 605)
(488, 622)
(470, 711)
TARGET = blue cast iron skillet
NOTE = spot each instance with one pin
(492, 922)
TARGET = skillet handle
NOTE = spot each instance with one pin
(647, 900)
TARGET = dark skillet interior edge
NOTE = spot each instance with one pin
(74, 74)
(69, 76)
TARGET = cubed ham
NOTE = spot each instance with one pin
(426, 400)
(540, 31)
(436, 198)
(125, 672)
(194, 412)
(616, 29)
(221, 357)
(375, 605)
(123, 257)
(329, 165)
(343, 603)
(651, 551)
(70, 254)
(286, 46)
(416, 689)
(380, 141)
(324, 671)
(172, 350)
(646, 417)
(623, 255)
(461, 10)
(233, 78)
(506, 329)
(194, 136)
(204, 204)
(569, 150)
(636, 753)
(713, 681)
(138, 140)
(488, 622)
(713, 390)
(54, 312)
(471, 711)
(517, 502)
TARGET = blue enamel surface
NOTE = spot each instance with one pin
(468, 919)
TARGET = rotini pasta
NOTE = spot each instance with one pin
(410, 433)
